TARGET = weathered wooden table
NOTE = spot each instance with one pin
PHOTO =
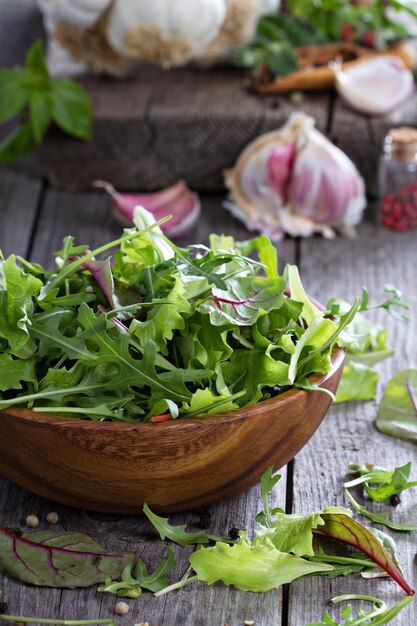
(33, 220)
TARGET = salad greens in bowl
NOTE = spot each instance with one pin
(161, 374)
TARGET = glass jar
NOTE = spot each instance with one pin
(397, 180)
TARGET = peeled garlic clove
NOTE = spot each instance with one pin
(177, 200)
(162, 31)
(79, 13)
(375, 86)
(295, 181)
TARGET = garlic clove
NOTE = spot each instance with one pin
(164, 32)
(295, 181)
(375, 86)
(177, 200)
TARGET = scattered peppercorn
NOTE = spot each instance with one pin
(234, 533)
(395, 499)
(32, 521)
(52, 517)
(3, 607)
(121, 608)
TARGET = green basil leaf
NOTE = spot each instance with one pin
(14, 92)
(35, 61)
(71, 108)
(17, 144)
(40, 114)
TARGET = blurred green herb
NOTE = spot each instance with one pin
(306, 23)
(30, 93)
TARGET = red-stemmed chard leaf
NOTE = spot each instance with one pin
(58, 559)
(343, 528)
(101, 270)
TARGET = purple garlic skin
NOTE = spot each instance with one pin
(295, 181)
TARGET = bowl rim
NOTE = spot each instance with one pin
(25, 414)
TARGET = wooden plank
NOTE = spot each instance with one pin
(19, 197)
(157, 127)
(348, 434)
(20, 25)
(88, 217)
(362, 137)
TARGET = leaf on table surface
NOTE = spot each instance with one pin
(358, 382)
(343, 528)
(130, 586)
(397, 413)
(177, 534)
(251, 567)
(379, 518)
(389, 483)
(58, 559)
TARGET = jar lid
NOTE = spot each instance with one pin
(401, 143)
(404, 135)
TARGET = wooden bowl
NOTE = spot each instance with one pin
(173, 466)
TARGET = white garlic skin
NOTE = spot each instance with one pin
(375, 86)
(238, 28)
(79, 13)
(162, 31)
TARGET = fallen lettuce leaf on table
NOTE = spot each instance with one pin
(397, 413)
(377, 615)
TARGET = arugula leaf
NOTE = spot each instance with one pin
(267, 483)
(397, 412)
(14, 371)
(390, 483)
(177, 534)
(342, 565)
(58, 559)
(379, 518)
(130, 586)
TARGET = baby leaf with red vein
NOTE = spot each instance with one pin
(343, 528)
(59, 559)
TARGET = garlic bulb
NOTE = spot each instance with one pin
(375, 86)
(238, 28)
(162, 31)
(79, 13)
(295, 181)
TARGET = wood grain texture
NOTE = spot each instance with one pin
(361, 137)
(348, 434)
(157, 127)
(19, 198)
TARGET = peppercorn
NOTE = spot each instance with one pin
(395, 499)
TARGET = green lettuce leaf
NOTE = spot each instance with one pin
(397, 413)
(358, 382)
(251, 567)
